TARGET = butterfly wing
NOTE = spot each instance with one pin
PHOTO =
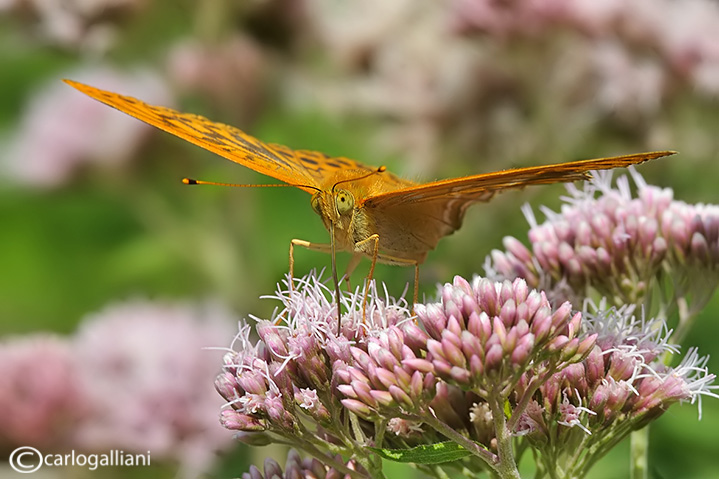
(484, 186)
(301, 168)
(443, 203)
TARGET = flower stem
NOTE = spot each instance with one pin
(309, 448)
(685, 321)
(528, 394)
(507, 467)
(639, 451)
(463, 441)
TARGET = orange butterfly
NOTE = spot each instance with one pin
(367, 211)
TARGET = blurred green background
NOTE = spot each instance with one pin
(430, 89)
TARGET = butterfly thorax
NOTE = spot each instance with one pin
(340, 205)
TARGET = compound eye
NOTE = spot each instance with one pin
(315, 202)
(344, 201)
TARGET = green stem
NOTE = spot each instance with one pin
(685, 321)
(439, 472)
(639, 451)
(212, 20)
(574, 462)
(463, 441)
(528, 394)
(369, 461)
(507, 467)
(310, 449)
(595, 449)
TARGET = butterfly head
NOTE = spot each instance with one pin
(335, 207)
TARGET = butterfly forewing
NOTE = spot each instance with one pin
(296, 167)
(411, 220)
(484, 186)
(320, 166)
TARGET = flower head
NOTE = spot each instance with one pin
(463, 359)
(387, 375)
(483, 336)
(142, 365)
(41, 397)
(293, 373)
(62, 130)
(80, 25)
(484, 349)
(621, 386)
(607, 243)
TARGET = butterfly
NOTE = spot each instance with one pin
(367, 210)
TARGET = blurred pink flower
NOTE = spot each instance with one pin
(478, 72)
(41, 400)
(627, 86)
(62, 129)
(82, 24)
(398, 60)
(689, 37)
(230, 74)
(143, 366)
(500, 18)
(684, 34)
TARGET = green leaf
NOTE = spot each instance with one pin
(429, 454)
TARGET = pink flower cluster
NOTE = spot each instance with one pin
(89, 26)
(484, 347)
(684, 34)
(606, 241)
(62, 131)
(130, 379)
(41, 395)
(620, 386)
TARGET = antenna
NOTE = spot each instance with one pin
(191, 181)
(381, 169)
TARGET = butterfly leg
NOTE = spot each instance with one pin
(351, 266)
(359, 246)
(387, 259)
(416, 286)
(321, 247)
